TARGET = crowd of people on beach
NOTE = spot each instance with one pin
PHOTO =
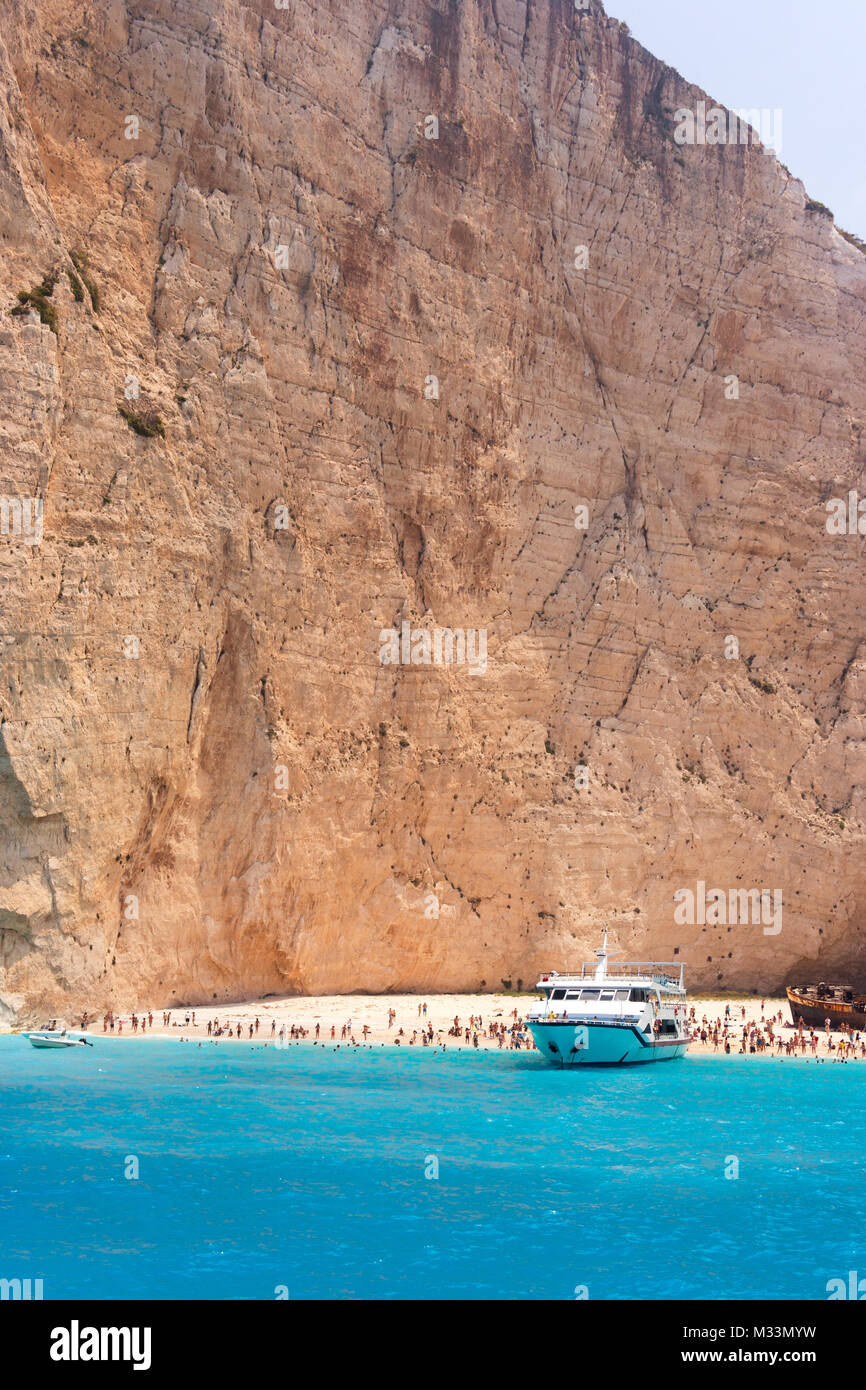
(135, 1023)
(770, 1034)
(760, 1036)
(514, 1036)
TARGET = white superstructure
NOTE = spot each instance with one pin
(611, 1015)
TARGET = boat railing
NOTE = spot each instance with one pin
(657, 970)
(663, 972)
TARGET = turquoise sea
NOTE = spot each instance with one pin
(303, 1172)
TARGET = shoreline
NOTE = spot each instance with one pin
(493, 1023)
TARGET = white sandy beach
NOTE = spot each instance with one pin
(439, 1011)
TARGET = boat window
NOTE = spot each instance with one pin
(606, 995)
(573, 994)
(589, 994)
(639, 996)
(558, 994)
(621, 995)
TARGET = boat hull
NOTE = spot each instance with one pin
(566, 1044)
(815, 1011)
(36, 1041)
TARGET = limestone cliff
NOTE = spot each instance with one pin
(293, 363)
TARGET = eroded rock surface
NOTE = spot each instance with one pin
(211, 786)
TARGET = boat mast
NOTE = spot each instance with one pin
(601, 957)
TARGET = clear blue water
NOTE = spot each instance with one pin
(304, 1168)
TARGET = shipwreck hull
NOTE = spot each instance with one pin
(815, 1011)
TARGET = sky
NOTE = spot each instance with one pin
(807, 57)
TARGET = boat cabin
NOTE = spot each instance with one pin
(596, 994)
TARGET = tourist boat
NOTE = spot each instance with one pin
(611, 1015)
(55, 1037)
(814, 1004)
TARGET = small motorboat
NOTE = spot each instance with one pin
(55, 1037)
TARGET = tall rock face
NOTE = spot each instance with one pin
(418, 314)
